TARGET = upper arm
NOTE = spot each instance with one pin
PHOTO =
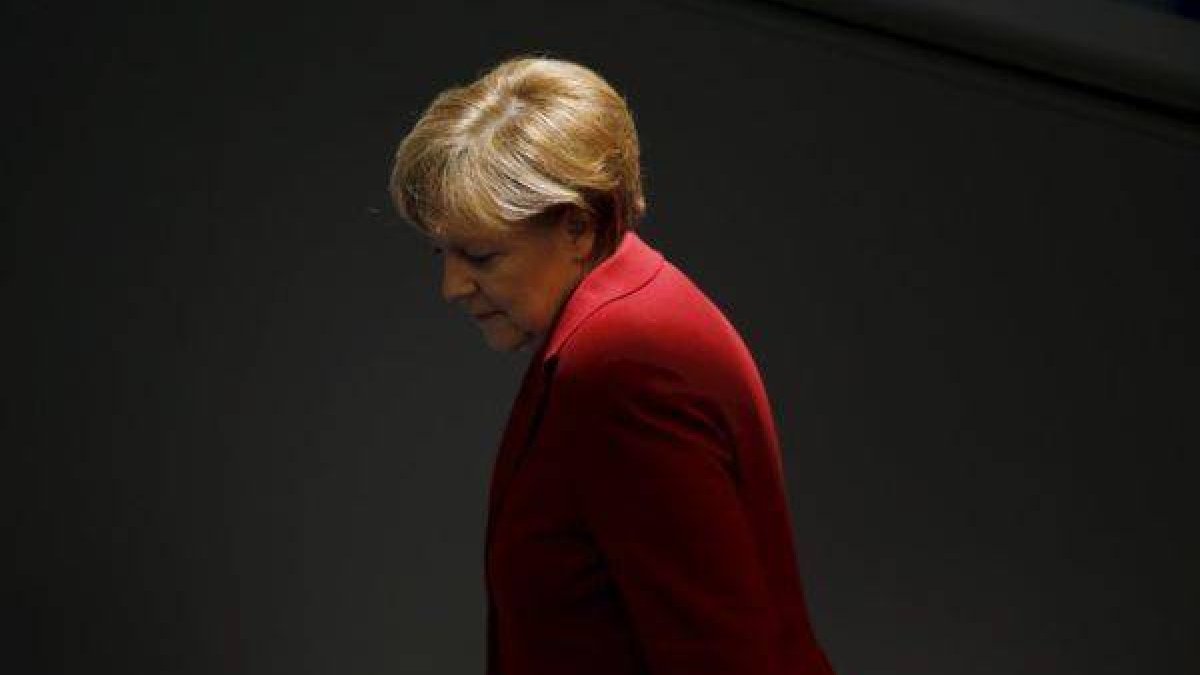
(656, 482)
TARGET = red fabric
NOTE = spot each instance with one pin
(638, 520)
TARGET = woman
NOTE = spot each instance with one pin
(637, 519)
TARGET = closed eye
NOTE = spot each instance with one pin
(477, 260)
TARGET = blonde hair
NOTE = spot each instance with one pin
(530, 137)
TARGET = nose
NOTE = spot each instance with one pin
(457, 282)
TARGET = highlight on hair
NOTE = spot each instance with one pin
(530, 137)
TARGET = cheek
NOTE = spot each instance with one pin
(516, 315)
(522, 299)
(508, 299)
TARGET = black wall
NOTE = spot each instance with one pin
(246, 436)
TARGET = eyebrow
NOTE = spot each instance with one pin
(461, 245)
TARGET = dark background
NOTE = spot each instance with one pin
(244, 434)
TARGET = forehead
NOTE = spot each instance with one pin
(465, 239)
(463, 236)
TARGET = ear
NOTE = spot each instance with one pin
(581, 233)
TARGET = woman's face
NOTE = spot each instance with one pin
(513, 285)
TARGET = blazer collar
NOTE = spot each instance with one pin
(629, 268)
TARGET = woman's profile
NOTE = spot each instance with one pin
(637, 518)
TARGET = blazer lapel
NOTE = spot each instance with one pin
(632, 265)
(522, 425)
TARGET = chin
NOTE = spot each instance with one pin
(508, 337)
(508, 343)
(503, 348)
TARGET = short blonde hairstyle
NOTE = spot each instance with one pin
(530, 137)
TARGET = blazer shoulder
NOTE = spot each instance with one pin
(668, 327)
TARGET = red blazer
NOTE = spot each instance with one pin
(637, 520)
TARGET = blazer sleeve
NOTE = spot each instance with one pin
(656, 487)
